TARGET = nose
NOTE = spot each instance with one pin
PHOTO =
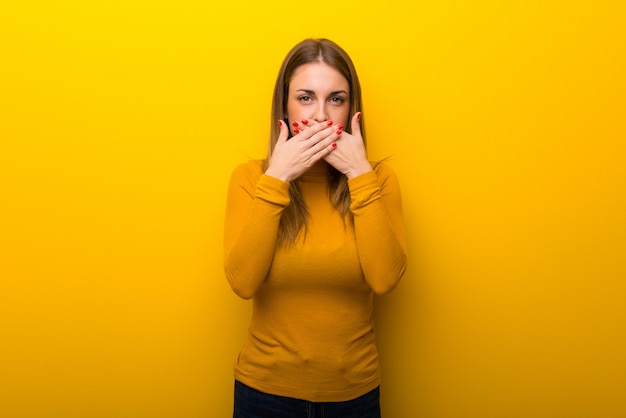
(321, 113)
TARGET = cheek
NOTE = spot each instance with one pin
(340, 115)
(293, 112)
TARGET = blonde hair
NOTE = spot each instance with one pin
(294, 218)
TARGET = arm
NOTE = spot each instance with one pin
(379, 227)
(254, 205)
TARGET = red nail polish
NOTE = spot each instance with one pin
(334, 144)
(296, 131)
(295, 124)
(340, 127)
(306, 122)
(358, 116)
(338, 132)
(280, 123)
(329, 123)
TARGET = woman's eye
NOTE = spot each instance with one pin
(304, 98)
(337, 100)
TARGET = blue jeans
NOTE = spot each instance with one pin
(250, 403)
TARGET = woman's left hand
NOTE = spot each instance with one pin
(349, 157)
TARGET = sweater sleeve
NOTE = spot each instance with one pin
(254, 205)
(379, 227)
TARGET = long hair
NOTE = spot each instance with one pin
(294, 218)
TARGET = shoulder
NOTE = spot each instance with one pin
(386, 178)
(381, 167)
(246, 175)
(250, 170)
(384, 171)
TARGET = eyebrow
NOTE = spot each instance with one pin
(332, 93)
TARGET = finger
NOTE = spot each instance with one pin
(308, 124)
(356, 124)
(303, 125)
(320, 151)
(324, 151)
(325, 144)
(315, 132)
(322, 132)
(295, 127)
(283, 134)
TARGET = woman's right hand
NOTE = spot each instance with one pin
(292, 157)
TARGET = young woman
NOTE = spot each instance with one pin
(311, 234)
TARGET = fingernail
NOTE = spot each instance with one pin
(306, 122)
(358, 115)
(329, 123)
(295, 124)
(280, 123)
(296, 131)
(340, 127)
(334, 144)
(338, 132)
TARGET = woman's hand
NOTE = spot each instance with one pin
(350, 157)
(292, 157)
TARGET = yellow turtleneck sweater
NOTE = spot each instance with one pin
(311, 334)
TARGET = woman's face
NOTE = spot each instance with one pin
(318, 92)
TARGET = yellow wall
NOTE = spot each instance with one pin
(120, 122)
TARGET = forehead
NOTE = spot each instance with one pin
(318, 76)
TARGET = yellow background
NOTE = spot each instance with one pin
(120, 122)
